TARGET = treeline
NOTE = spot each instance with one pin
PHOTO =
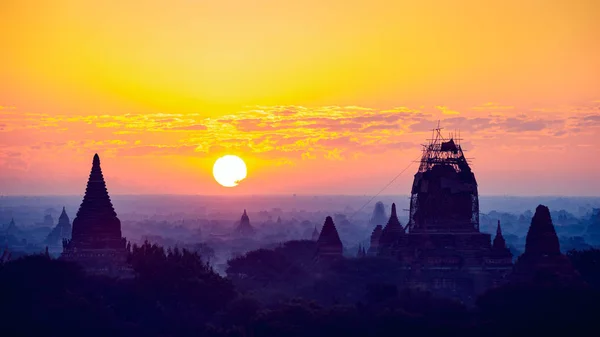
(175, 293)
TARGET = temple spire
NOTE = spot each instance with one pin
(541, 237)
(329, 243)
(244, 228)
(96, 242)
(499, 242)
(96, 215)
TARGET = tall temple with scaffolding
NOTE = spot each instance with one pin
(441, 247)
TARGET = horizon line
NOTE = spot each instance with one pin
(288, 195)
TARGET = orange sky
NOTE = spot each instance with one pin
(316, 96)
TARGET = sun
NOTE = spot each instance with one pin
(229, 170)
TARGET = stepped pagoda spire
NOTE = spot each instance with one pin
(96, 215)
(96, 241)
(329, 244)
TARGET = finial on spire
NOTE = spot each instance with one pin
(394, 210)
(96, 161)
(245, 212)
(498, 229)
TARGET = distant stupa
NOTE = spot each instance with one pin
(96, 243)
(500, 251)
(329, 245)
(375, 236)
(61, 231)
(245, 228)
(315, 234)
(391, 233)
(542, 260)
(379, 217)
(12, 228)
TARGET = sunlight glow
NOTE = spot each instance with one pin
(229, 170)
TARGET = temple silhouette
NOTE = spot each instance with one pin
(96, 242)
(542, 260)
(61, 231)
(329, 245)
(441, 247)
(244, 228)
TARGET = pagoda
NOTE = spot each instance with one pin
(61, 231)
(244, 228)
(542, 260)
(441, 247)
(12, 228)
(499, 248)
(96, 242)
(329, 245)
(375, 235)
(391, 233)
(378, 217)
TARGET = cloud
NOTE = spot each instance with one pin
(285, 132)
(158, 150)
(196, 127)
(447, 111)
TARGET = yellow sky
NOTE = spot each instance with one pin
(188, 77)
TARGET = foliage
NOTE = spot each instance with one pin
(179, 278)
(587, 263)
(175, 293)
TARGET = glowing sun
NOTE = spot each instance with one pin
(229, 170)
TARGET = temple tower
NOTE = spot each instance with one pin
(96, 242)
(542, 260)
(375, 236)
(444, 196)
(329, 245)
(379, 217)
(61, 231)
(499, 244)
(12, 228)
(499, 261)
(391, 234)
(244, 228)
